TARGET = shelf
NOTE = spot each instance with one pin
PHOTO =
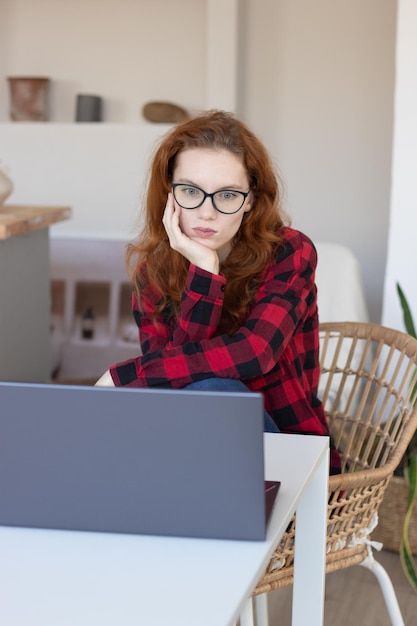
(128, 331)
(57, 297)
(99, 334)
(91, 312)
(125, 300)
(90, 274)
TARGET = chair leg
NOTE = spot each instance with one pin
(246, 616)
(387, 589)
(261, 609)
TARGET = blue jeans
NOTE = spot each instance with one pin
(231, 384)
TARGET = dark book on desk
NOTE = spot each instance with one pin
(271, 491)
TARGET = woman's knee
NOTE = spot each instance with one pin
(218, 384)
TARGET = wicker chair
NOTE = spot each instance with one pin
(367, 376)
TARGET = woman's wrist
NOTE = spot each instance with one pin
(210, 266)
(105, 381)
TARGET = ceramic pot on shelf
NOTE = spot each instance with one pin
(28, 98)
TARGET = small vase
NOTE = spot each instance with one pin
(87, 324)
(6, 186)
(28, 98)
(88, 108)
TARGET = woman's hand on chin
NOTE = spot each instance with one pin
(195, 252)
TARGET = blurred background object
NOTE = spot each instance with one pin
(28, 98)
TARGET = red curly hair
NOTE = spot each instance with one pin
(151, 260)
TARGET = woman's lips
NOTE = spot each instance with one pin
(204, 232)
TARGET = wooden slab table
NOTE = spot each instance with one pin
(25, 346)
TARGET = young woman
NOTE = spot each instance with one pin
(224, 293)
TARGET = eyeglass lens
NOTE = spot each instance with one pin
(226, 201)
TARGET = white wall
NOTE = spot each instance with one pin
(315, 80)
(323, 71)
(99, 170)
(129, 52)
(4, 56)
(402, 248)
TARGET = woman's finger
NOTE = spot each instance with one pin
(170, 221)
(195, 252)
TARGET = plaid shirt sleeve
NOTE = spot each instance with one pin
(192, 351)
(203, 295)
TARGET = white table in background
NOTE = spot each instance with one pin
(64, 578)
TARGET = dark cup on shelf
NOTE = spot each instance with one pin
(88, 108)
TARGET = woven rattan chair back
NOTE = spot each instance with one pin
(368, 378)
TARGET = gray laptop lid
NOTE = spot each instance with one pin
(185, 463)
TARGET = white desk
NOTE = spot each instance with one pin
(62, 578)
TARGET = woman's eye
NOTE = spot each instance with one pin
(227, 195)
(191, 191)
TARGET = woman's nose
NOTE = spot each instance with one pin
(207, 209)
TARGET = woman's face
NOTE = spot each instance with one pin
(211, 170)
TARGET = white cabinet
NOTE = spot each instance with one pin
(88, 275)
(25, 348)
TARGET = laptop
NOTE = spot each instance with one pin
(146, 461)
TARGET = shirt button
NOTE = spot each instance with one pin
(222, 287)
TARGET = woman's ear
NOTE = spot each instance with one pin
(248, 203)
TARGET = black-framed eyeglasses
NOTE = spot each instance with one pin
(226, 201)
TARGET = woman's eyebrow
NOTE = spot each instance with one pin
(188, 181)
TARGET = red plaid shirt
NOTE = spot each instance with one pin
(274, 352)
